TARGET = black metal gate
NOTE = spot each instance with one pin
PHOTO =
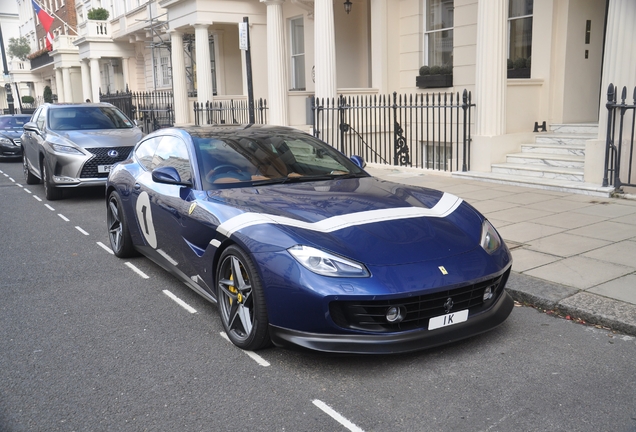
(423, 130)
(151, 110)
(620, 169)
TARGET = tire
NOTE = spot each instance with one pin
(118, 232)
(28, 175)
(241, 305)
(50, 191)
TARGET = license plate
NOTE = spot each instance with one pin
(104, 168)
(448, 319)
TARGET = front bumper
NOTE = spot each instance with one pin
(395, 343)
(10, 151)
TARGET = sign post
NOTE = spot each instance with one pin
(244, 44)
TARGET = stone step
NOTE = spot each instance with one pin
(590, 189)
(538, 171)
(576, 128)
(547, 160)
(563, 139)
(559, 149)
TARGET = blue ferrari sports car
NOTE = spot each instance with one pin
(300, 247)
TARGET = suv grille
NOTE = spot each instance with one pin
(371, 315)
(100, 157)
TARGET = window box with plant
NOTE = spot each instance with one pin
(435, 77)
(519, 68)
(98, 14)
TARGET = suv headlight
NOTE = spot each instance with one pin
(326, 264)
(65, 149)
(490, 240)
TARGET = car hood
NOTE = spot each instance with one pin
(366, 219)
(103, 138)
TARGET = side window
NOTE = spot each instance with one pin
(39, 121)
(173, 152)
(519, 33)
(438, 36)
(145, 152)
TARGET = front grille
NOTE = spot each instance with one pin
(371, 315)
(16, 141)
(100, 157)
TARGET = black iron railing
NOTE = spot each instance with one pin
(620, 169)
(424, 130)
(229, 112)
(151, 110)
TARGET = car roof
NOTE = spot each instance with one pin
(15, 115)
(243, 129)
(78, 105)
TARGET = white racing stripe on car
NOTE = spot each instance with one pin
(444, 207)
(258, 359)
(336, 416)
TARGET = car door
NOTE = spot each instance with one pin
(31, 141)
(160, 207)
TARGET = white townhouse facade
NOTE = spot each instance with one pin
(567, 52)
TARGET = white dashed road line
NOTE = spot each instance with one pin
(81, 230)
(26, 190)
(258, 359)
(49, 207)
(64, 218)
(37, 198)
(180, 302)
(336, 416)
(106, 248)
(136, 270)
(19, 185)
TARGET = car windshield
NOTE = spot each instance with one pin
(13, 122)
(260, 158)
(87, 117)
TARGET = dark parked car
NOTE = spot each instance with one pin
(299, 246)
(10, 132)
(75, 145)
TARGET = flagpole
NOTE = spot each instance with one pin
(56, 16)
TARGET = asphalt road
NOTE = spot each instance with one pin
(89, 344)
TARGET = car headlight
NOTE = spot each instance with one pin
(65, 149)
(6, 141)
(326, 264)
(490, 240)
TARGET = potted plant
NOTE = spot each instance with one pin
(48, 94)
(435, 77)
(519, 68)
(98, 14)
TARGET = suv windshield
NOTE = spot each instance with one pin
(87, 117)
(237, 160)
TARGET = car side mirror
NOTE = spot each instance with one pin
(168, 175)
(30, 126)
(358, 161)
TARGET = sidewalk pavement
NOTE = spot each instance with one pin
(575, 254)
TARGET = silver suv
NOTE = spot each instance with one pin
(74, 145)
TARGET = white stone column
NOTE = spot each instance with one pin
(491, 78)
(125, 71)
(68, 90)
(325, 49)
(95, 79)
(179, 84)
(277, 78)
(205, 91)
(59, 84)
(619, 59)
(86, 81)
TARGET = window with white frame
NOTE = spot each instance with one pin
(166, 73)
(297, 33)
(438, 35)
(519, 29)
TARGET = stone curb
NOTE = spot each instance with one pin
(591, 308)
